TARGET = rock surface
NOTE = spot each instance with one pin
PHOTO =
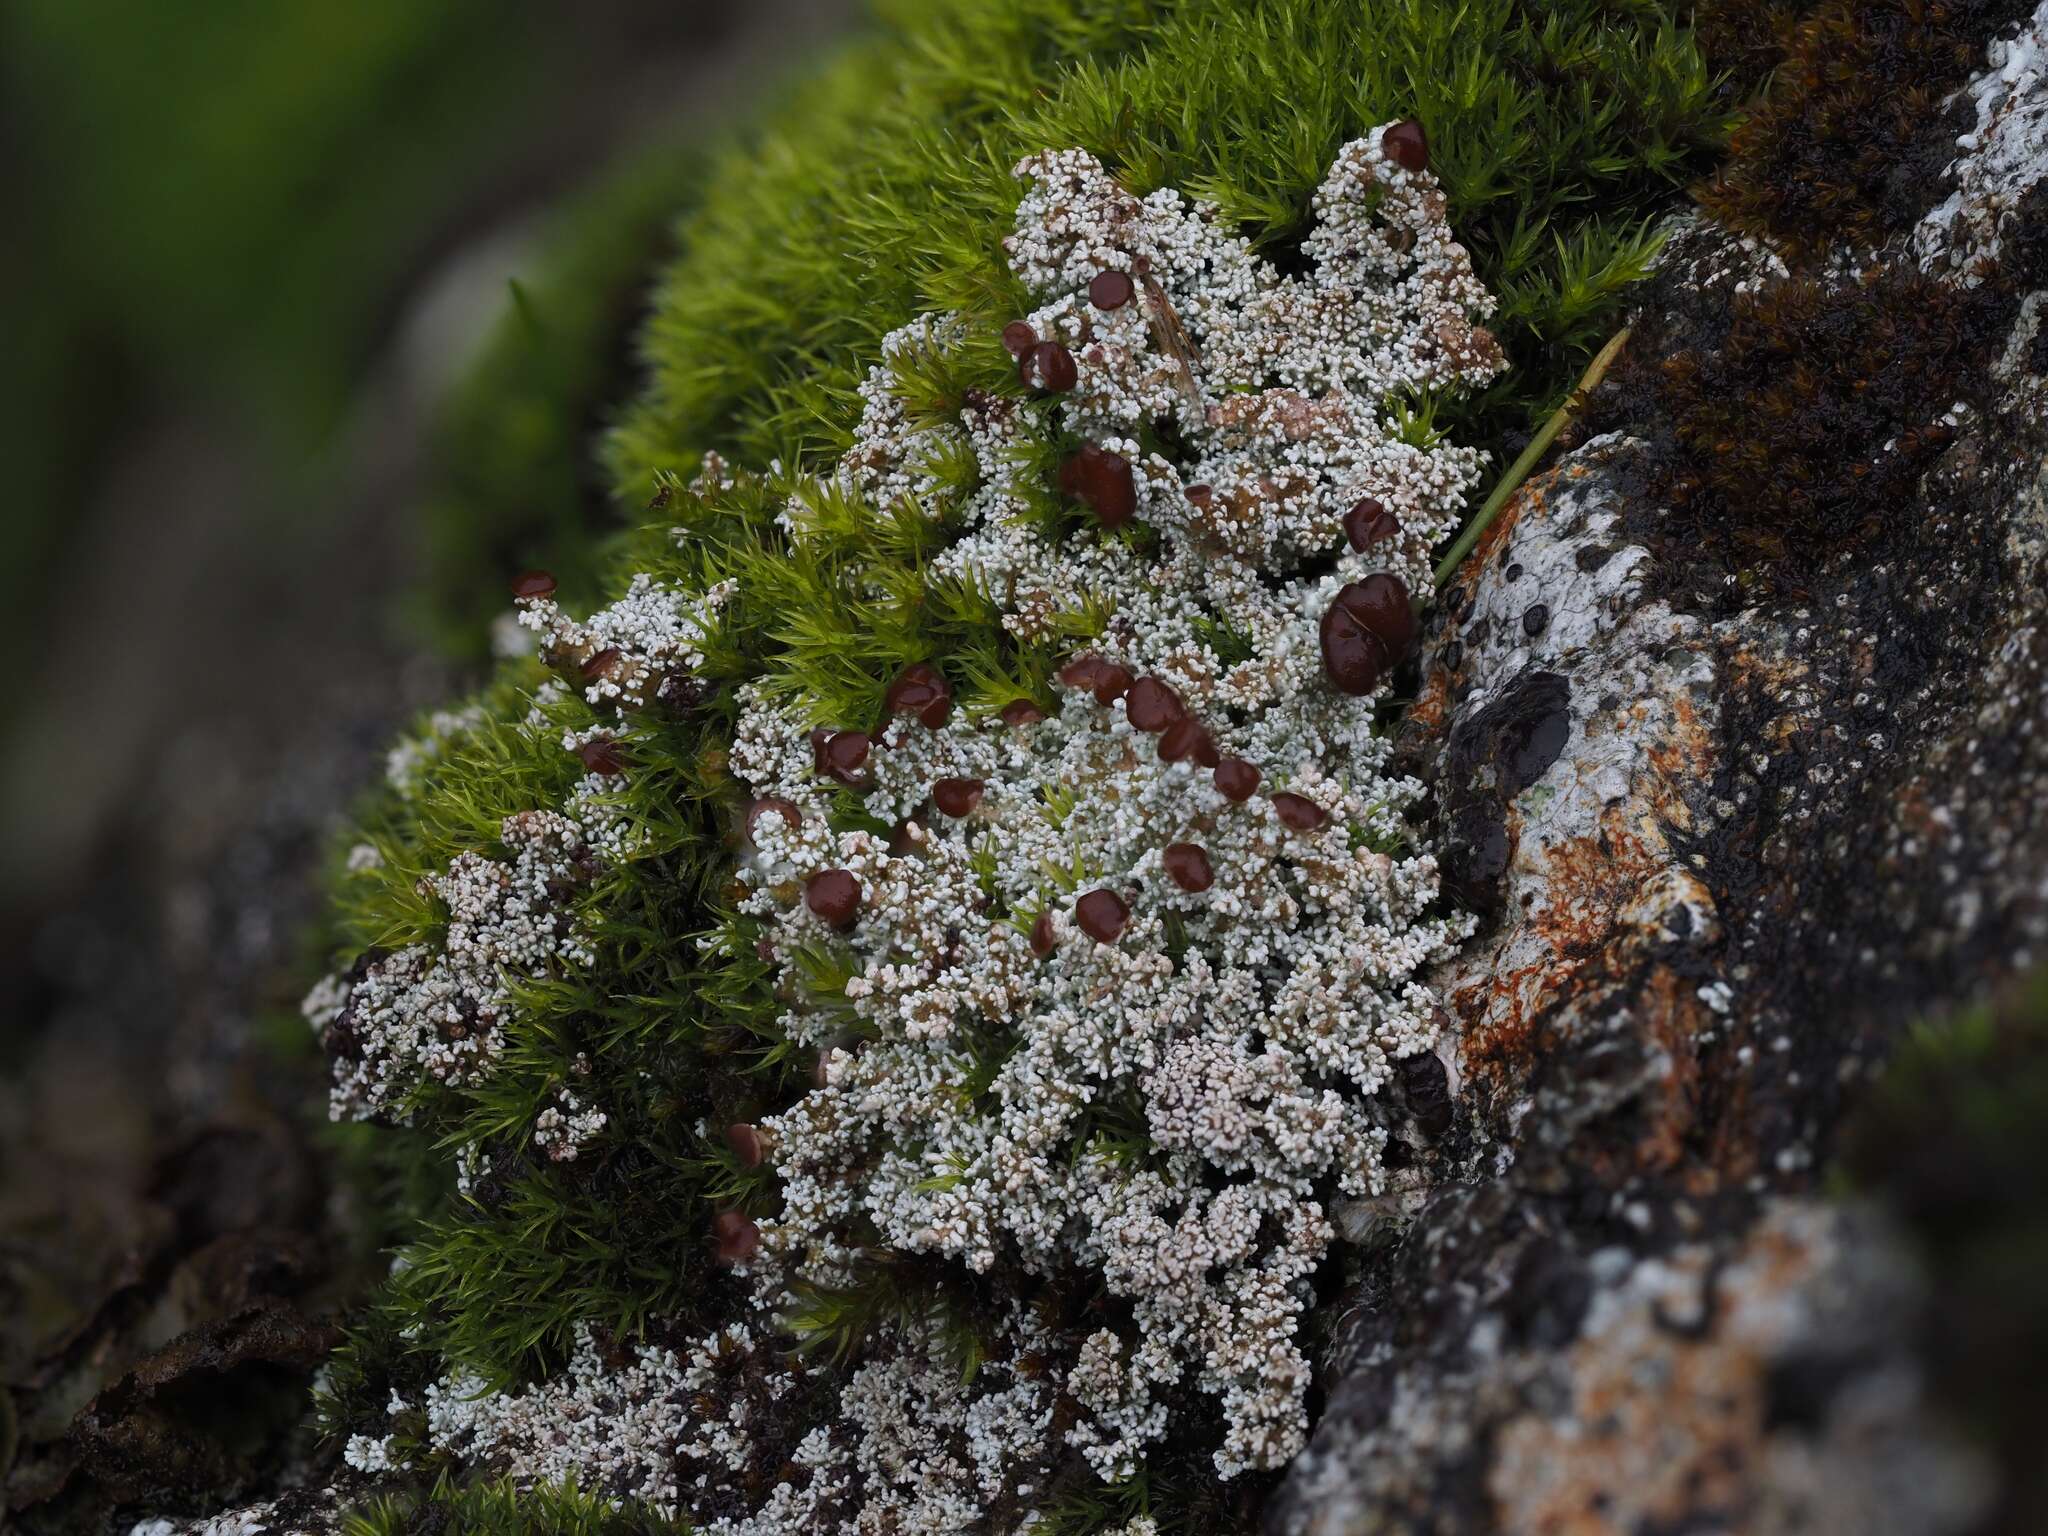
(1733, 843)
(176, 1247)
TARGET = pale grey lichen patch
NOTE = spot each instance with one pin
(1767, 1378)
(2004, 156)
(305, 1512)
(1578, 587)
(1583, 720)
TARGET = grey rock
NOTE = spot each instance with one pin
(1733, 842)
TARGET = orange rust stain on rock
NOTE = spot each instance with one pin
(1431, 710)
(1591, 880)
(1686, 755)
(1595, 941)
(1669, 1010)
(1575, 932)
(1497, 1022)
(1662, 1421)
(1784, 678)
(1728, 1146)
(1693, 1438)
(1529, 501)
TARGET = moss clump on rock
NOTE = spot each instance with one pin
(1789, 426)
(1821, 161)
(1556, 133)
(1746, 39)
(596, 979)
(1797, 431)
(502, 1507)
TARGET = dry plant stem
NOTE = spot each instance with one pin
(1538, 446)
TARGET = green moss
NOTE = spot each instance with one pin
(677, 1033)
(503, 1509)
(1558, 132)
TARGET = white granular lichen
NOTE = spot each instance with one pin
(1160, 1115)
(628, 652)
(1240, 1030)
(436, 1013)
(614, 1426)
(562, 1129)
(373, 1454)
(918, 1451)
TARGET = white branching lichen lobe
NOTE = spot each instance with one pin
(634, 652)
(1106, 991)
(438, 1012)
(1251, 1016)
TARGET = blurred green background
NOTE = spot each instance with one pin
(314, 310)
(313, 307)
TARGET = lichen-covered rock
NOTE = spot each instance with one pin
(1571, 1378)
(2003, 156)
(1734, 839)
